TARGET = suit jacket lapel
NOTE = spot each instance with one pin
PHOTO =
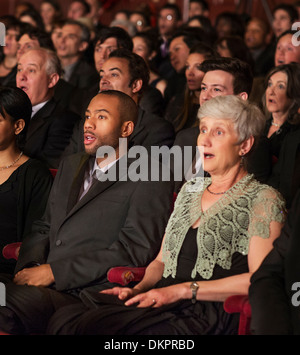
(121, 168)
(38, 119)
(77, 183)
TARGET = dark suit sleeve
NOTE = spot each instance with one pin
(137, 243)
(267, 293)
(35, 246)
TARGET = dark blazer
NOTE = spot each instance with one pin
(49, 133)
(116, 223)
(83, 75)
(150, 130)
(270, 292)
(285, 174)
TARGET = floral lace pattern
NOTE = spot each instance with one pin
(245, 210)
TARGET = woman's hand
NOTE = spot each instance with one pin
(123, 293)
(157, 297)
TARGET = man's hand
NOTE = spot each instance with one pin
(36, 276)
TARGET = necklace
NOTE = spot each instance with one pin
(6, 67)
(275, 124)
(12, 164)
(215, 193)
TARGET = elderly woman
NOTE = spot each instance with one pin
(221, 229)
(24, 183)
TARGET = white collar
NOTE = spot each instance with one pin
(37, 107)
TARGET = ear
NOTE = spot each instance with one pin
(19, 126)
(243, 95)
(137, 86)
(246, 146)
(127, 128)
(83, 46)
(53, 79)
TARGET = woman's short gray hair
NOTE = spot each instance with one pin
(247, 118)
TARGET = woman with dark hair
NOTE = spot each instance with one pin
(8, 58)
(229, 24)
(50, 12)
(32, 17)
(234, 47)
(24, 183)
(282, 103)
(183, 108)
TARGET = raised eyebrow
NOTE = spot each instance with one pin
(97, 111)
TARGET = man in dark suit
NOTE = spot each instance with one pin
(97, 218)
(274, 290)
(51, 125)
(70, 46)
(127, 72)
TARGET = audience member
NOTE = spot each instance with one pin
(32, 37)
(218, 235)
(198, 8)
(125, 25)
(127, 72)
(140, 20)
(286, 51)
(50, 12)
(205, 24)
(256, 39)
(51, 125)
(64, 93)
(78, 9)
(70, 46)
(273, 296)
(183, 108)
(107, 40)
(21, 7)
(144, 44)
(168, 21)
(180, 45)
(8, 60)
(284, 15)
(282, 103)
(32, 17)
(72, 262)
(25, 182)
(229, 24)
(96, 11)
(234, 47)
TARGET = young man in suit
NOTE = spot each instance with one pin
(51, 124)
(90, 225)
(70, 47)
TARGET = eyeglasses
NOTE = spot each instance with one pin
(168, 17)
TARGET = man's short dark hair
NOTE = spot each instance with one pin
(138, 68)
(127, 107)
(41, 36)
(191, 35)
(122, 37)
(203, 3)
(241, 72)
(173, 7)
(85, 32)
(290, 9)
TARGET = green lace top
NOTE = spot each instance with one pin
(245, 210)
